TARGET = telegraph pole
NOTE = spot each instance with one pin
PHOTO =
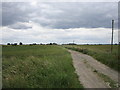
(112, 35)
(73, 41)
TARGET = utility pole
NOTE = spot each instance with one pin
(73, 41)
(73, 44)
(112, 35)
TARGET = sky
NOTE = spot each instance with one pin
(59, 22)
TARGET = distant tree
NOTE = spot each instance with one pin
(8, 43)
(34, 44)
(50, 43)
(41, 44)
(30, 44)
(54, 43)
(15, 44)
(20, 43)
(72, 44)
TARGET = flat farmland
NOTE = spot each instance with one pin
(38, 66)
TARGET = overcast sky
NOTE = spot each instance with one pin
(60, 22)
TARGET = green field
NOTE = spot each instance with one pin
(38, 66)
(100, 52)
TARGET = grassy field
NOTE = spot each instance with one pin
(101, 52)
(38, 67)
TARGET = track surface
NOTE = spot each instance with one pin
(85, 66)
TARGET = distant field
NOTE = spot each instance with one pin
(38, 67)
(101, 52)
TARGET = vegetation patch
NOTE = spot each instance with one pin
(100, 52)
(39, 66)
(108, 80)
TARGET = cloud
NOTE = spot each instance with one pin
(13, 12)
(61, 15)
(119, 15)
(20, 25)
(39, 34)
(60, 22)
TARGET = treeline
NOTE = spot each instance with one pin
(89, 44)
(15, 44)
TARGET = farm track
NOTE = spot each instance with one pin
(85, 66)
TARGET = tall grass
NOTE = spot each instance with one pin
(38, 67)
(101, 52)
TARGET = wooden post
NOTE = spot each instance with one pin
(112, 35)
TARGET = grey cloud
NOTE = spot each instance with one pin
(19, 26)
(62, 15)
(14, 12)
(0, 14)
(119, 15)
(88, 15)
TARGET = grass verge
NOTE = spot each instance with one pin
(100, 52)
(111, 83)
(108, 80)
